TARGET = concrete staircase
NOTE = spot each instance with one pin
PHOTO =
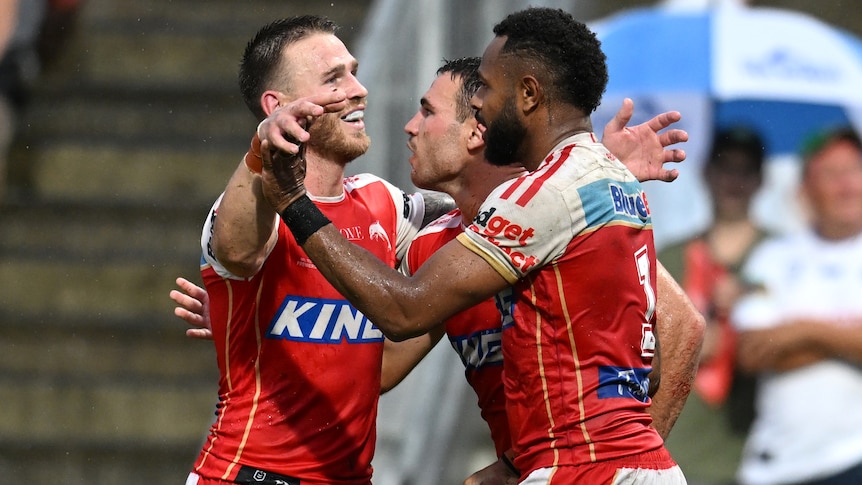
(130, 137)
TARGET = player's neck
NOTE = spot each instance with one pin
(561, 124)
(324, 178)
(476, 186)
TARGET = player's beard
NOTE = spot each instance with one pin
(336, 142)
(503, 137)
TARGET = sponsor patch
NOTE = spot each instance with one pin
(321, 321)
(616, 382)
(479, 349)
(630, 205)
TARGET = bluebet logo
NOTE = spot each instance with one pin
(321, 321)
(631, 205)
(624, 382)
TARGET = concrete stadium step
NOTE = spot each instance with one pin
(180, 43)
(97, 233)
(107, 171)
(83, 397)
(145, 411)
(104, 351)
(75, 291)
(210, 119)
(128, 463)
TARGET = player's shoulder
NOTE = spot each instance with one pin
(361, 180)
(450, 220)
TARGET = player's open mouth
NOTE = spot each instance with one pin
(355, 118)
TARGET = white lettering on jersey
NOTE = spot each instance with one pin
(322, 321)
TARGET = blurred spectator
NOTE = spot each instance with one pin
(801, 330)
(707, 267)
(31, 33)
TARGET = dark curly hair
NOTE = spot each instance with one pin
(467, 68)
(261, 65)
(566, 49)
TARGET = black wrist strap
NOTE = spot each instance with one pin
(508, 462)
(303, 218)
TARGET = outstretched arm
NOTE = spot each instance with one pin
(644, 148)
(680, 330)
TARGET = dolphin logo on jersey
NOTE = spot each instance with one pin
(377, 233)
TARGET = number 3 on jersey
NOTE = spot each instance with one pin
(642, 262)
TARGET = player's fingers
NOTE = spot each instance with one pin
(674, 156)
(186, 302)
(330, 101)
(191, 318)
(667, 175)
(278, 142)
(191, 289)
(199, 333)
(663, 120)
(674, 136)
(622, 117)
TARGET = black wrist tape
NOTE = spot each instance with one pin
(303, 218)
(508, 462)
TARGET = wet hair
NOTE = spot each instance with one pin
(820, 140)
(564, 47)
(467, 69)
(741, 138)
(261, 67)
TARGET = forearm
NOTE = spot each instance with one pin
(452, 279)
(399, 358)
(244, 226)
(381, 293)
(680, 330)
(839, 340)
(798, 344)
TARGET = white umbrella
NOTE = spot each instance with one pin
(781, 72)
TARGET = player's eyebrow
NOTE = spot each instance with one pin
(426, 104)
(341, 68)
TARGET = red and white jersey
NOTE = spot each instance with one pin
(299, 366)
(475, 333)
(574, 238)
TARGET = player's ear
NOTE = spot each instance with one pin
(270, 100)
(530, 94)
(476, 136)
